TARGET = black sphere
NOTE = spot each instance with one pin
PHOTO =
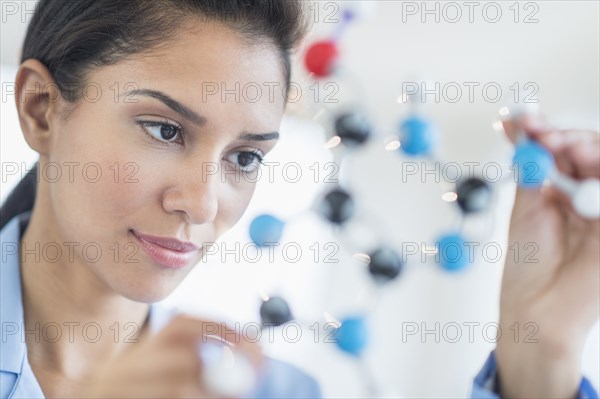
(353, 128)
(337, 206)
(385, 265)
(275, 311)
(473, 195)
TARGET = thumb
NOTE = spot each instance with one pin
(536, 128)
(533, 126)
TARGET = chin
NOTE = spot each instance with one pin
(149, 296)
(145, 290)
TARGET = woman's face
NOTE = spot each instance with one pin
(172, 135)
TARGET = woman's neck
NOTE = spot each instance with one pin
(72, 319)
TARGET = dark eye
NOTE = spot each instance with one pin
(162, 131)
(247, 161)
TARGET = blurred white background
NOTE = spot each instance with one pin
(552, 45)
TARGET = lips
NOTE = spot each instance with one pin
(168, 252)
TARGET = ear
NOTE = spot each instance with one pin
(37, 97)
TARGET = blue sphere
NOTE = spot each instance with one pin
(266, 229)
(453, 252)
(352, 335)
(532, 163)
(417, 137)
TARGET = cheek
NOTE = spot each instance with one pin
(99, 188)
(114, 184)
(234, 199)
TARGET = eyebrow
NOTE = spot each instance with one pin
(171, 103)
(192, 116)
(259, 137)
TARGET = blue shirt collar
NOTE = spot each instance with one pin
(11, 304)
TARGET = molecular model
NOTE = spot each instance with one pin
(533, 166)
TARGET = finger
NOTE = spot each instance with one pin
(554, 142)
(510, 129)
(577, 152)
(536, 126)
(584, 275)
(532, 126)
(558, 140)
(586, 161)
(527, 200)
(183, 365)
(188, 330)
(555, 197)
(185, 327)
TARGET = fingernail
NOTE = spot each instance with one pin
(537, 123)
(554, 139)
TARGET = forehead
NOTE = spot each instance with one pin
(207, 63)
(216, 51)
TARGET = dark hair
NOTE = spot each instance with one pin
(72, 37)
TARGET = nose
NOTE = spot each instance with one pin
(194, 194)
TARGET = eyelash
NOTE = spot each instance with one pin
(179, 132)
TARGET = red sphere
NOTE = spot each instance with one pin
(321, 57)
